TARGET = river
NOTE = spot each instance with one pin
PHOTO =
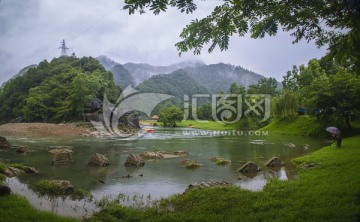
(161, 178)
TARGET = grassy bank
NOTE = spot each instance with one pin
(329, 191)
(208, 125)
(15, 208)
(296, 126)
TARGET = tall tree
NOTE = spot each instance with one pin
(264, 86)
(335, 23)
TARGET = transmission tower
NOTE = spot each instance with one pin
(63, 48)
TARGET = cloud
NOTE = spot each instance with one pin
(31, 31)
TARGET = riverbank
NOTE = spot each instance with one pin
(15, 208)
(296, 126)
(327, 191)
(42, 130)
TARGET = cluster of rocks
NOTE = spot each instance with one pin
(251, 168)
(303, 146)
(14, 172)
(4, 144)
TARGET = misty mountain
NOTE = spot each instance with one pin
(122, 76)
(214, 77)
(177, 83)
(106, 62)
(20, 73)
(217, 77)
(143, 71)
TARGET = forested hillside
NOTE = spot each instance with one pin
(217, 77)
(178, 84)
(56, 91)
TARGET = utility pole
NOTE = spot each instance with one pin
(63, 48)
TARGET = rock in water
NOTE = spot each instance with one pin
(13, 172)
(62, 158)
(30, 170)
(23, 150)
(291, 145)
(134, 160)
(65, 185)
(99, 160)
(274, 162)
(249, 167)
(4, 144)
(4, 190)
(203, 185)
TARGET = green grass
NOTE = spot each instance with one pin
(209, 125)
(52, 189)
(328, 192)
(296, 126)
(14, 208)
(3, 166)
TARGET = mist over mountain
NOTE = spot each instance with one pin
(218, 77)
(214, 77)
(143, 71)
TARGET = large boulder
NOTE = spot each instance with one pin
(249, 168)
(4, 190)
(62, 158)
(4, 144)
(134, 160)
(274, 162)
(13, 172)
(98, 160)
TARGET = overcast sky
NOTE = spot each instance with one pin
(31, 31)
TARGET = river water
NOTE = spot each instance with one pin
(161, 178)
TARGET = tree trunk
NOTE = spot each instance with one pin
(347, 120)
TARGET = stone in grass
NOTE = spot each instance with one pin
(99, 160)
(249, 168)
(134, 160)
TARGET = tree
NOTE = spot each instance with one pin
(334, 23)
(204, 112)
(169, 116)
(335, 96)
(264, 86)
(234, 89)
